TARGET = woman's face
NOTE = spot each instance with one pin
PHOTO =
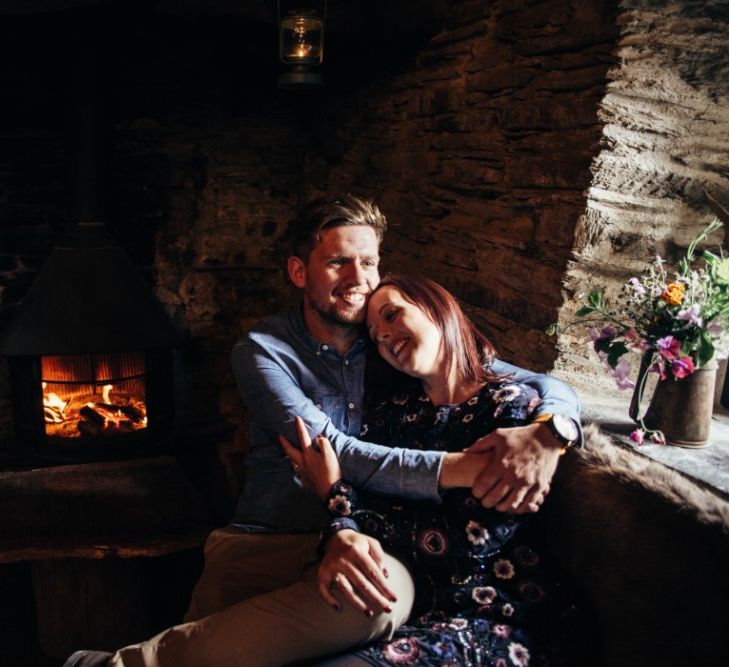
(406, 337)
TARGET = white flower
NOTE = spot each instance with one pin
(477, 534)
(467, 418)
(472, 401)
(507, 610)
(507, 393)
(484, 594)
(518, 654)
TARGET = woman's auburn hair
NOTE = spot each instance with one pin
(464, 345)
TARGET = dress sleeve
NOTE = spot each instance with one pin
(341, 502)
(342, 499)
(331, 529)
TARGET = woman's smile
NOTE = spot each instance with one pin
(396, 347)
(407, 337)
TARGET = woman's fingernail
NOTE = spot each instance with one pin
(369, 613)
(385, 572)
(337, 607)
(388, 609)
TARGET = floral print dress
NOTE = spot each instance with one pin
(481, 582)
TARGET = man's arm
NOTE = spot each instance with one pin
(525, 457)
(274, 397)
(557, 397)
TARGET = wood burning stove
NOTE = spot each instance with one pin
(90, 356)
(90, 347)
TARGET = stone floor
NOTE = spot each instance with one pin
(709, 465)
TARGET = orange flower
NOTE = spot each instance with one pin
(674, 293)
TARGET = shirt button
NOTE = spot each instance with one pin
(325, 347)
(346, 362)
(351, 406)
(318, 406)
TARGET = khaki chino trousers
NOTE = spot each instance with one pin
(257, 605)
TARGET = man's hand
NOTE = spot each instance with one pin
(317, 467)
(524, 462)
(354, 563)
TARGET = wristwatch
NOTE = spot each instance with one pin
(563, 428)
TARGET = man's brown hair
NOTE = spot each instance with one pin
(329, 212)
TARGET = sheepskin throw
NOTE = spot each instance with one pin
(650, 548)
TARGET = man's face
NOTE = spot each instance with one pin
(338, 277)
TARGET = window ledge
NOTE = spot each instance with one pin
(707, 465)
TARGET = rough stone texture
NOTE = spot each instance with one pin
(491, 146)
(666, 140)
(478, 151)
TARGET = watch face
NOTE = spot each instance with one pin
(565, 428)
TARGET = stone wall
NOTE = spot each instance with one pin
(478, 149)
(665, 141)
(492, 147)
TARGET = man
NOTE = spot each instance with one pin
(310, 362)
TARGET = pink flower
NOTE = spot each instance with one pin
(404, 651)
(682, 367)
(600, 338)
(669, 347)
(501, 630)
(620, 373)
(638, 436)
(659, 367)
(691, 315)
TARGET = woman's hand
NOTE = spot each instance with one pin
(354, 564)
(316, 466)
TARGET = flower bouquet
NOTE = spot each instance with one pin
(678, 320)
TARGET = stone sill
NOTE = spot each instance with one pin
(709, 466)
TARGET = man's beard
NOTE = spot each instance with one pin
(343, 318)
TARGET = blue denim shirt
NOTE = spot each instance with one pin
(282, 372)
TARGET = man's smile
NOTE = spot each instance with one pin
(353, 298)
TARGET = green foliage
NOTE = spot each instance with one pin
(679, 318)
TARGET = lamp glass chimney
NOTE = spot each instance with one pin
(301, 38)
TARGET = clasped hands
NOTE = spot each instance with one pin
(510, 469)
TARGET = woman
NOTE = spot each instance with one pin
(484, 594)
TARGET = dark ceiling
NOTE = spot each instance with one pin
(383, 19)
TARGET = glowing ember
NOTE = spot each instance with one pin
(92, 415)
(53, 407)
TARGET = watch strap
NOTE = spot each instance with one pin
(547, 418)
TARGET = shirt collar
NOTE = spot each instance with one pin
(296, 317)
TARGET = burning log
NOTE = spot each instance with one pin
(53, 414)
(88, 417)
(100, 418)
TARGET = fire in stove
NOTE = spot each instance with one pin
(93, 395)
